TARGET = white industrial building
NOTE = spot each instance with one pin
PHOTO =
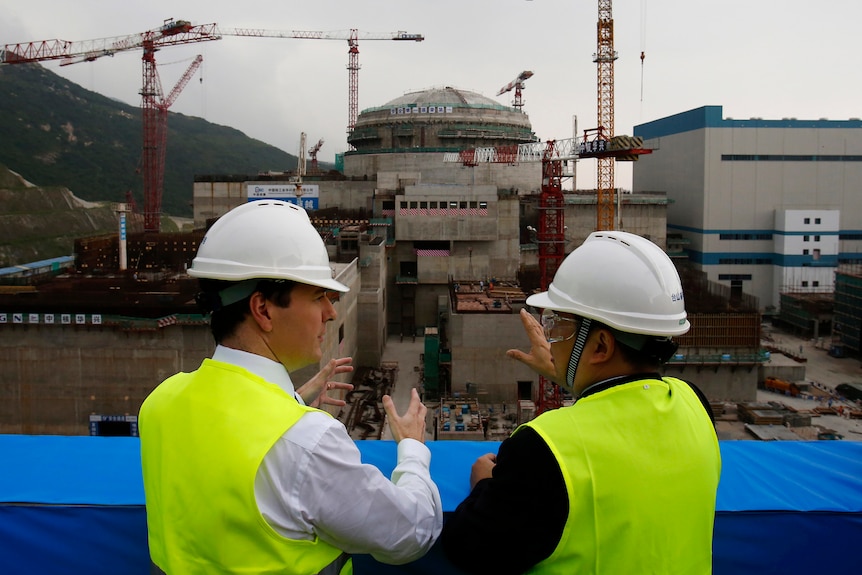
(763, 206)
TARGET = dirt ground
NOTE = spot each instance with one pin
(822, 374)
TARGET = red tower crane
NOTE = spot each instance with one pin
(551, 233)
(155, 112)
(517, 84)
(171, 33)
(154, 106)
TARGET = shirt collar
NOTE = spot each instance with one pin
(615, 381)
(270, 370)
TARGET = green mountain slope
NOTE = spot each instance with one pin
(38, 223)
(56, 133)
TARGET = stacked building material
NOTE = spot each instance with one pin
(758, 413)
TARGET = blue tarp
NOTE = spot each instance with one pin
(76, 505)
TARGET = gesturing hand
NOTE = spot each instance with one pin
(539, 359)
(315, 391)
(412, 423)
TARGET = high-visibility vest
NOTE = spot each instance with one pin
(203, 437)
(641, 464)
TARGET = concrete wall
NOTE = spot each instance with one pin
(55, 376)
(719, 383)
(414, 221)
(52, 377)
(372, 303)
(524, 177)
(644, 215)
(479, 343)
(214, 199)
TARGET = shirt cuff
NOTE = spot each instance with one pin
(413, 449)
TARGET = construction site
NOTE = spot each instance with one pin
(442, 225)
(446, 213)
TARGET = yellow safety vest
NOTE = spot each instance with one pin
(203, 437)
(641, 464)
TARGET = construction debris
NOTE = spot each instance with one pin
(363, 416)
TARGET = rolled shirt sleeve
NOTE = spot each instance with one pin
(313, 482)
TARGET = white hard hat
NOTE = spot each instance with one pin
(265, 239)
(622, 280)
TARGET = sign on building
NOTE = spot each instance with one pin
(308, 195)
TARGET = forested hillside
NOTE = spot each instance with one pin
(56, 133)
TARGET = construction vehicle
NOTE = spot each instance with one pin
(781, 386)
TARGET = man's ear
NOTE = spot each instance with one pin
(259, 308)
(603, 346)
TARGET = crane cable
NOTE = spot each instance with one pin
(643, 45)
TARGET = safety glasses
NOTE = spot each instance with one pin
(558, 328)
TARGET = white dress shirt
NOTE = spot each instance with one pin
(312, 483)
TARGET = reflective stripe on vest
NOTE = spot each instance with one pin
(641, 464)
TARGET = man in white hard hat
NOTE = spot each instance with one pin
(625, 479)
(241, 473)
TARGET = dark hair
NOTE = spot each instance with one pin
(224, 320)
(651, 353)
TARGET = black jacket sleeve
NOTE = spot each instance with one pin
(515, 519)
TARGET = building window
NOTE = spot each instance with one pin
(816, 220)
(423, 205)
(474, 205)
(745, 236)
(804, 252)
(816, 254)
(804, 238)
(413, 205)
(483, 205)
(815, 283)
(433, 205)
(807, 220)
(816, 238)
(804, 283)
(463, 205)
(403, 205)
(453, 205)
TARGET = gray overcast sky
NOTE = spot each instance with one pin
(756, 58)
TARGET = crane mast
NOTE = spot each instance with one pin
(604, 59)
(154, 107)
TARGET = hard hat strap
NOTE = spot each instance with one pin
(237, 292)
(580, 340)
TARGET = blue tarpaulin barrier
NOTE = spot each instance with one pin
(76, 505)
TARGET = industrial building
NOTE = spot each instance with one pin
(765, 207)
(430, 249)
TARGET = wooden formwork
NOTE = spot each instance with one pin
(722, 331)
